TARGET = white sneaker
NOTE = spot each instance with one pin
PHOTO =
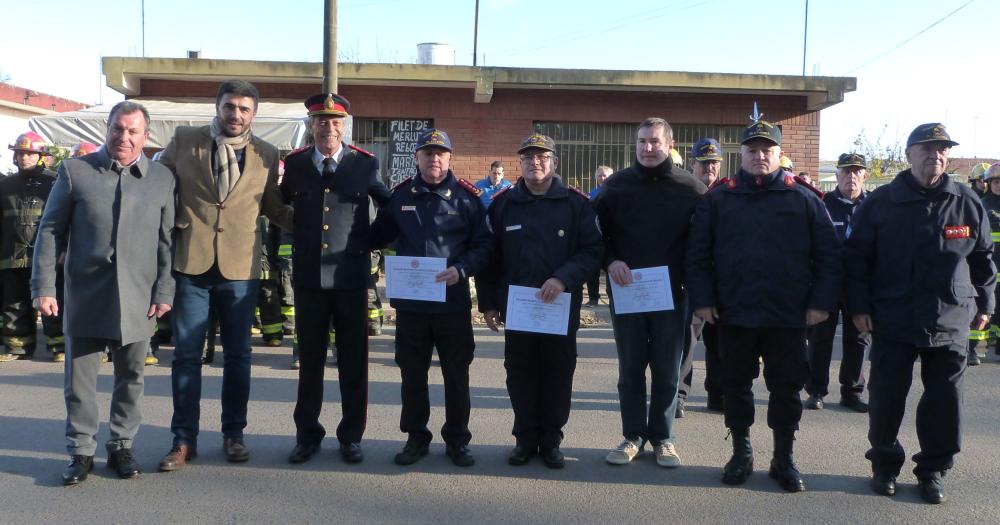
(624, 453)
(666, 455)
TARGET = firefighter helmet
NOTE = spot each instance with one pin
(787, 163)
(993, 172)
(31, 142)
(979, 170)
(83, 148)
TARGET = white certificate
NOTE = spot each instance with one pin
(413, 278)
(649, 291)
(527, 313)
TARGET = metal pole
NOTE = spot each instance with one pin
(330, 47)
(805, 39)
(143, 28)
(475, 36)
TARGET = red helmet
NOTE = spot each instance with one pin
(83, 148)
(31, 142)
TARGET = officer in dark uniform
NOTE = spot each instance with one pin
(269, 294)
(705, 161)
(545, 236)
(329, 185)
(22, 199)
(919, 270)
(763, 263)
(435, 214)
(841, 203)
(991, 201)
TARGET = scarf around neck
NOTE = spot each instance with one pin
(225, 157)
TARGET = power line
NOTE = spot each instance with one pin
(904, 42)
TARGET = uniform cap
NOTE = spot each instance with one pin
(761, 129)
(847, 160)
(706, 149)
(434, 137)
(933, 132)
(537, 140)
(328, 104)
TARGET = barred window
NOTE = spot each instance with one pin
(583, 146)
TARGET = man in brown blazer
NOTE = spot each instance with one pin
(226, 178)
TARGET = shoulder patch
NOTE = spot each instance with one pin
(469, 187)
(806, 184)
(297, 151)
(361, 151)
(579, 192)
(501, 192)
(402, 182)
(724, 181)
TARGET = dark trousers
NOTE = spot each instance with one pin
(852, 378)
(346, 310)
(785, 371)
(713, 360)
(939, 411)
(594, 286)
(234, 302)
(269, 309)
(653, 340)
(417, 334)
(19, 317)
(540, 371)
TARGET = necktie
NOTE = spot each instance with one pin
(328, 168)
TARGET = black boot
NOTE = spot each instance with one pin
(782, 466)
(740, 466)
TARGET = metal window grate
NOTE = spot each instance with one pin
(583, 146)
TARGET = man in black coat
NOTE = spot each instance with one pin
(763, 263)
(919, 271)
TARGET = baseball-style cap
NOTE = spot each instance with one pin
(706, 149)
(328, 104)
(433, 137)
(847, 160)
(539, 141)
(932, 132)
(761, 129)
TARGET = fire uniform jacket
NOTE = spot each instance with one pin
(332, 218)
(919, 262)
(991, 202)
(645, 214)
(841, 210)
(763, 254)
(537, 237)
(22, 199)
(446, 221)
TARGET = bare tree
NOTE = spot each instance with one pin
(885, 158)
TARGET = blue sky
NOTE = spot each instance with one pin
(947, 73)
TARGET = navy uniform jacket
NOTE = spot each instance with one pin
(645, 215)
(332, 222)
(841, 209)
(446, 221)
(918, 261)
(763, 255)
(538, 237)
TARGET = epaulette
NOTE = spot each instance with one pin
(807, 184)
(719, 182)
(404, 181)
(501, 192)
(579, 192)
(469, 187)
(361, 151)
(297, 151)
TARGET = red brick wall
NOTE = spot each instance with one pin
(482, 133)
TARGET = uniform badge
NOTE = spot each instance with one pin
(513, 227)
(956, 232)
(407, 208)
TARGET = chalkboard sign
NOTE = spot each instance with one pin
(403, 136)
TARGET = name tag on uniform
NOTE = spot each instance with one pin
(835, 223)
(514, 227)
(407, 208)
(956, 232)
(452, 212)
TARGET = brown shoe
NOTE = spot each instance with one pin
(236, 450)
(177, 458)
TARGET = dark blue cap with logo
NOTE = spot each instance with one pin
(537, 141)
(706, 149)
(761, 129)
(434, 137)
(932, 132)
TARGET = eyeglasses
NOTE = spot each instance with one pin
(540, 157)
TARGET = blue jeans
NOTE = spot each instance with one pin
(234, 302)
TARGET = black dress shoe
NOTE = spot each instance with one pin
(77, 469)
(931, 490)
(814, 402)
(303, 452)
(236, 451)
(553, 458)
(521, 455)
(411, 454)
(884, 484)
(351, 452)
(854, 403)
(124, 464)
(681, 407)
(460, 456)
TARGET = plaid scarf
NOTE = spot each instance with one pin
(225, 157)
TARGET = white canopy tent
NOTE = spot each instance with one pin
(281, 123)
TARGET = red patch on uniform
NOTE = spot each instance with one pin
(731, 183)
(956, 232)
(789, 181)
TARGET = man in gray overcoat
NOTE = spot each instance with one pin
(112, 212)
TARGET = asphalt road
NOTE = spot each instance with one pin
(829, 452)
